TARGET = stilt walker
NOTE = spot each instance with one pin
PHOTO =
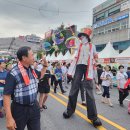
(84, 66)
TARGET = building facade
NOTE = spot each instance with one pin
(111, 23)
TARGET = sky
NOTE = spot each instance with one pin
(25, 17)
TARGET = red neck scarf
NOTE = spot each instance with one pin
(24, 74)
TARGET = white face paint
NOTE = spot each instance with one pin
(84, 40)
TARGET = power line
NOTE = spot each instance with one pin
(20, 4)
(40, 9)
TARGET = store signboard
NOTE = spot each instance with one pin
(110, 20)
(123, 60)
(33, 39)
(106, 60)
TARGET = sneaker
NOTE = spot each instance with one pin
(1, 115)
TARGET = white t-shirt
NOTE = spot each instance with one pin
(109, 77)
(122, 78)
(84, 54)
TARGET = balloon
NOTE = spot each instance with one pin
(72, 42)
(57, 37)
(46, 46)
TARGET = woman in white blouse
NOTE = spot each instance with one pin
(106, 78)
(121, 80)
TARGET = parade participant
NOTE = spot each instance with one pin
(22, 85)
(98, 85)
(58, 78)
(64, 72)
(44, 89)
(52, 74)
(106, 78)
(85, 61)
(3, 74)
(121, 81)
(9, 66)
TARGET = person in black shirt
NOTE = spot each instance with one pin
(99, 72)
(44, 89)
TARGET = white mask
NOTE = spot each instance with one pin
(84, 40)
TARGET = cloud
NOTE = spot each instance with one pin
(29, 16)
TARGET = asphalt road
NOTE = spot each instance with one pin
(113, 118)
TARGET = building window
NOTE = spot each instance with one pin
(108, 29)
(114, 10)
(100, 16)
(94, 19)
(101, 31)
(116, 27)
(95, 32)
(106, 14)
(120, 25)
(124, 24)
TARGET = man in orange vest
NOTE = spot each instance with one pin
(85, 61)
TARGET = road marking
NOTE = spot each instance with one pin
(76, 111)
(100, 116)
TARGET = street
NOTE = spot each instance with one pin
(113, 118)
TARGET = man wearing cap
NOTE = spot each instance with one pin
(3, 74)
(22, 85)
(85, 61)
